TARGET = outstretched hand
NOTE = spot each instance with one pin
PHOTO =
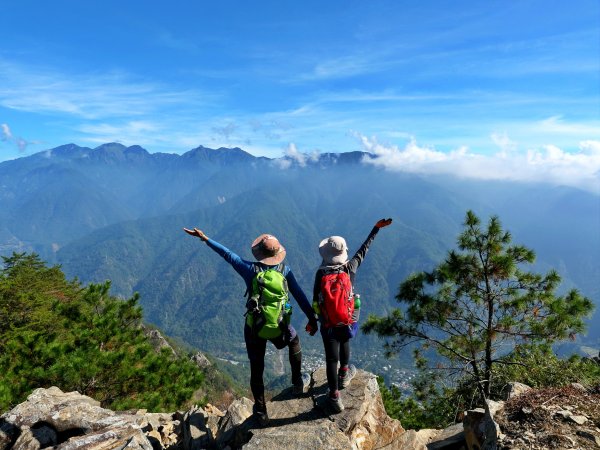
(196, 232)
(383, 223)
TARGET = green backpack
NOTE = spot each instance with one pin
(268, 307)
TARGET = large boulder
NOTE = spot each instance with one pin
(306, 422)
(64, 411)
(69, 420)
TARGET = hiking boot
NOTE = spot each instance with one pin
(345, 376)
(301, 387)
(335, 404)
(261, 416)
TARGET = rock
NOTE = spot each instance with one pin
(416, 440)
(514, 389)
(196, 433)
(200, 360)
(161, 427)
(364, 418)
(494, 406)
(559, 417)
(234, 425)
(8, 434)
(481, 431)
(579, 387)
(69, 421)
(449, 438)
(157, 341)
(26, 441)
(579, 420)
(63, 411)
(154, 420)
(115, 437)
(305, 422)
(589, 436)
(213, 410)
(45, 435)
(568, 415)
(41, 436)
(290, 436)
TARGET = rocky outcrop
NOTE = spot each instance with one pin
(363, 424)
(69, 420)
(157, 340)
(200, 360)
(567, 417)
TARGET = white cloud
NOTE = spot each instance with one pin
(7, 136)
(557, 125)
(293, 155)
(283, 163)
(301, 159)
(548, 164)
(504, 142)
(6, 133)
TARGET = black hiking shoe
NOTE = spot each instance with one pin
(261, 416)
(334, 403)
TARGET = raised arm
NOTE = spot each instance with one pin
(244, 268)
(358, 257)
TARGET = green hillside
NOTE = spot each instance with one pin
(55, 332)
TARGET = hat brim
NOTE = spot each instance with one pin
(330, 256)
(335, 259)
(270, 260)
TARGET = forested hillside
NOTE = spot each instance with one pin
(56, 332)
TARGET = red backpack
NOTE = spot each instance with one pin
(336, 301)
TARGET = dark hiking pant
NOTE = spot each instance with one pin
(337, 349)
(256, 348)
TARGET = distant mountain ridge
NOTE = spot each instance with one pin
(116, 212)
(116, 152)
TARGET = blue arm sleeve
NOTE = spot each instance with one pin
(243, 267)
(299, 295)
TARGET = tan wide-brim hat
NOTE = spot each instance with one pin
(333, 250)
(267, 250)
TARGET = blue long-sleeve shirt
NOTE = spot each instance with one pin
(247, 272)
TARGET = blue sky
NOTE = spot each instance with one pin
(418, 81)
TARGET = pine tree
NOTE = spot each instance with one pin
(55, 332)
(478, 303)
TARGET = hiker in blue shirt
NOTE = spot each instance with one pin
(269, 254)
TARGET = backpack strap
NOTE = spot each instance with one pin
(326, 270)
(280, 268)
(257, 269)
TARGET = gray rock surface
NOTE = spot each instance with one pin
(306, 422)
(200, 360)
(63, 411)
(60, 420)
(114, 437)
(514, 389)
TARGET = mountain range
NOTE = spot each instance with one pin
(116, 212)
